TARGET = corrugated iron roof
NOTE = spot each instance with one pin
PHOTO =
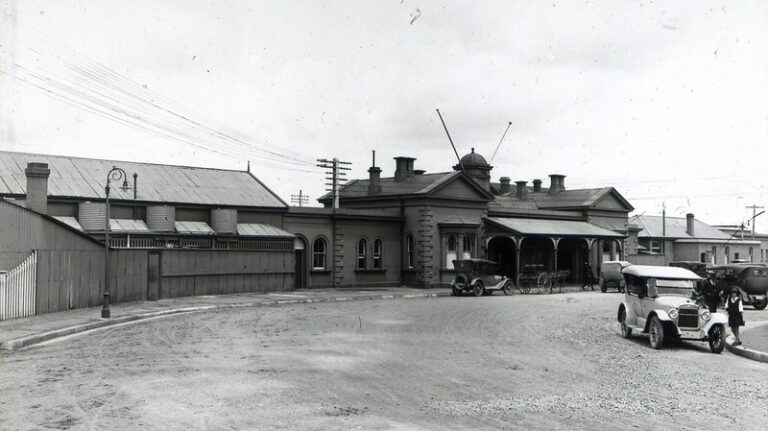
(676, 227)
(85, 178)
(194, 227)
(127, 225)
(527, 226)
(69, 221)
(256, 229)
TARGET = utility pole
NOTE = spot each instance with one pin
(300, 199)
(335, 171)
(754, 214)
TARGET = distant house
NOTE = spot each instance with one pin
(739, 232)
(661, 240)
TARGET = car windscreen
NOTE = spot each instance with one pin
(674, 287)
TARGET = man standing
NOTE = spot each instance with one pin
(711, 293)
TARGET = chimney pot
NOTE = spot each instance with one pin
(557, 183)
(536, 186)
(403, 168)
(504, 183)
(522, 189)
(689, 219)
(374, 180)
(37, 186)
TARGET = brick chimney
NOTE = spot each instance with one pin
(556, 183)
(403, 168)
(37, 186)
(536, 185)
(504, 183)
(522, 189)
(689, 224)
(374, 180)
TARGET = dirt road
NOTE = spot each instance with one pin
(519, 362)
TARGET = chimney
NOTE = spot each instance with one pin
(556, 183)
(504, 181)
(374, 180)
(419, 172)
(536, 185)
(522, 189)
(37, 186)
(689, 224)
(403, 168)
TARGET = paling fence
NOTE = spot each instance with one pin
(18, 290)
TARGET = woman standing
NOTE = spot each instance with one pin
(735, 318)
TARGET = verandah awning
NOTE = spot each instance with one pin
(559, 228)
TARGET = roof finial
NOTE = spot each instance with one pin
(248, 168)
(473, 149)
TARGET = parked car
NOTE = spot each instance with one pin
(478, 276)
(610, 275)
(698, 268)
(750, 279)
(659, 301)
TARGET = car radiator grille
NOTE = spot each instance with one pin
(688, 318)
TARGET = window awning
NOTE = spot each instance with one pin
(256, 229)
(69, 221)
(127, 225)
(559, 228)
(193, 227)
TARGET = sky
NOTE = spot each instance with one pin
(664, 100)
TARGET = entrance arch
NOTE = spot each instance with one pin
(302, 269)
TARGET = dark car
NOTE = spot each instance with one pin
(751, 280)
(479, 276)
(611, 276)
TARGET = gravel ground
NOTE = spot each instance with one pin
(757, 338)
(517, 363)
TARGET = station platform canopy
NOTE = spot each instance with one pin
(552, 228)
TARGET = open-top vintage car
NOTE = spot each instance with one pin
(751, 280)
(478, 276)
(659, 301)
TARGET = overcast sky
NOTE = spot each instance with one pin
(665, 100)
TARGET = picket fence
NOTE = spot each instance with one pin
(18, 290)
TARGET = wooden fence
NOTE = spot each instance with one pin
(18, 290)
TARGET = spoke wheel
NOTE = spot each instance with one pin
(507, 288)
(478, 289)
(717, 338)
(544, 283)
(656, 333)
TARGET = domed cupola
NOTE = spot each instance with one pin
(476, 168)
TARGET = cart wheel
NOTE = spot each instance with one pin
(507, 288)
(478, 289)
(544, 282)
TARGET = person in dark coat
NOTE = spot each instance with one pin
(588, 279)
(735, 314)
(710, 293)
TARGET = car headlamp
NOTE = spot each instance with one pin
(705, 315)
(673, 313)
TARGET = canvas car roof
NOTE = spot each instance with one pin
(668, 272)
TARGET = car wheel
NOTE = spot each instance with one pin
(717, 338)
(507, 288)
(478, 288)
(761, 305)
(626, 331)
(603, 287)
(455, 291)
(656, 333)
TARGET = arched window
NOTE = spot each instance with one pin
(467, 247)
(409, 250)
(318, 254)
(362, 253)
(377, 246)
(451, 250)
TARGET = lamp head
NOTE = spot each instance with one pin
(125, 187)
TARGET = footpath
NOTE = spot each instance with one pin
(18, 333)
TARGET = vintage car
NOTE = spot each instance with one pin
(750, 279)
(659, 301)
(611, 276)
(698, 268)
(478, 276)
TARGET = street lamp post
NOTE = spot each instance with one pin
(115, 174)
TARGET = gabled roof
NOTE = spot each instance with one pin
(80, 178)
(579, 198)
(414, 185)
(652, 227)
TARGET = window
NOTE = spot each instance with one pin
(450, 254)
(409, 250)
(362, 255)
(655, 246)
(377, 245)
(736, 255)
(318, 254)
(467, 247)
(727, 253)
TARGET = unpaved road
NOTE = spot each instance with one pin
(519, 362)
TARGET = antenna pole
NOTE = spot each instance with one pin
(450, 140)
(500, 141)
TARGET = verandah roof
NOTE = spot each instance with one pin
(564, 228)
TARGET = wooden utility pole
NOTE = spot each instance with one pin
(754, 214)
(300, 199)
